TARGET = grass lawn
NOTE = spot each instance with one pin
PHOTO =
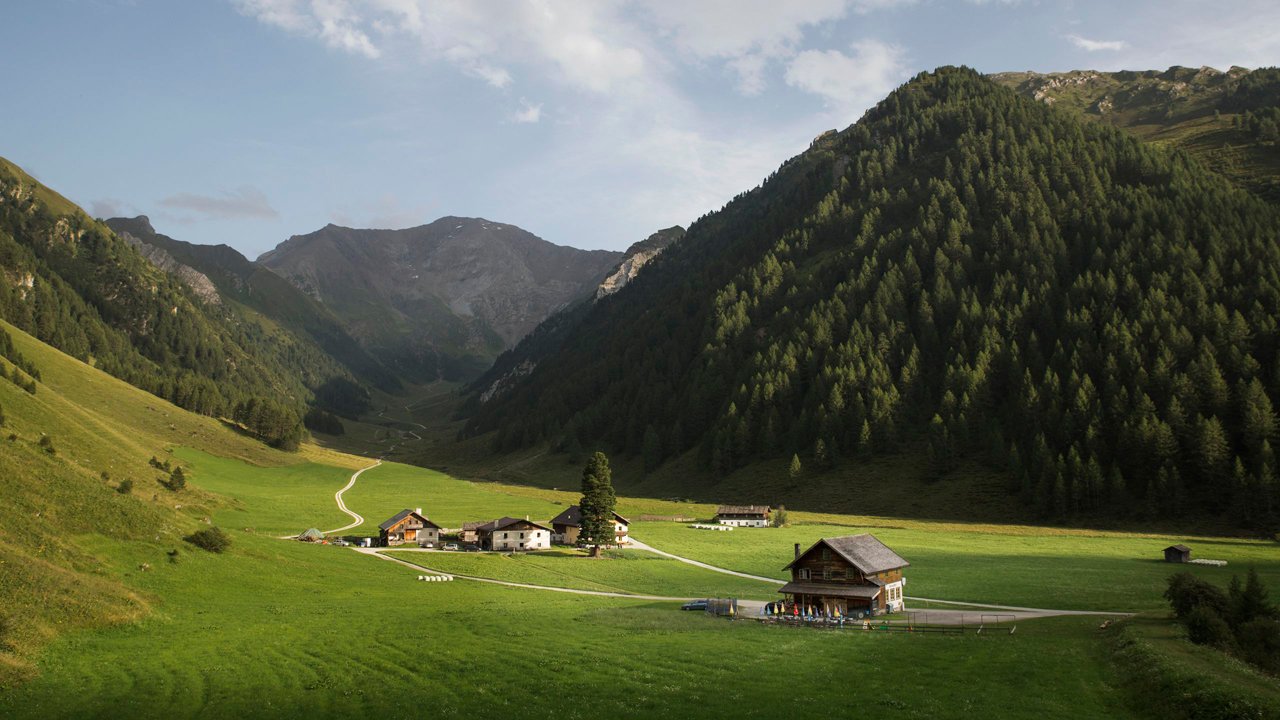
(628, 571)
(990, 564)
(281, 500)
(279, 629)
(391, 487)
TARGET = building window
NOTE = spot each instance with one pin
(826, 573)
(850, 574)
(826, 553)
(803, 574)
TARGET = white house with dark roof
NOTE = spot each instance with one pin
(744, 515)
(508, 534)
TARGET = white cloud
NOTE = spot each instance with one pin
(849, 83)
(1095, 45)
(528, 112)
(246, 202)
(333, 21)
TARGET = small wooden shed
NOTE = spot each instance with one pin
(1177, 554)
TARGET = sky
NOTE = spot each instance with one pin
(590, 123)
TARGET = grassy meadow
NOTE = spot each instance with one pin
(100, 622)
(624, 571)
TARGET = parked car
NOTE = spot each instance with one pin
(471, 548)
(428, 545)
(342, 543)
(695, 605)
(451, 546)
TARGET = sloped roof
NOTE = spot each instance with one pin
(864, 552)
(506, 522)
(395, 519)
(473, 525)
(743, 510)
(572, 516)
(311, 534)
(1179, 548)
(865, 592)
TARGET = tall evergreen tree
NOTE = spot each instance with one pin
(595, 509)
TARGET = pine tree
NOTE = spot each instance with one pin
(796, 468)
(595, 509)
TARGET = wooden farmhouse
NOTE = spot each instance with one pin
(743, 515)
(850, 576)
(468, 533)
(1177, 554)
(567, 525)
(510, 533)
(408, 526)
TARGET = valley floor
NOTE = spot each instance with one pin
(276, 628)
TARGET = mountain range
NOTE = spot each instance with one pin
(440, 300)
(1067, 281)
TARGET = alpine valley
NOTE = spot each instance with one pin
(1018, 326)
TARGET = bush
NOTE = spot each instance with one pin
(780, 516)
(176, 481)
(1260, 644)
(125, 487)
(1186, 592)
(46, 442)
(212, 539)
(1206, 627)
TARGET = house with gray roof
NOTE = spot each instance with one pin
(849, 576)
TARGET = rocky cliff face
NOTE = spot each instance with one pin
(199, 283)
(442, 300)
(636, 257)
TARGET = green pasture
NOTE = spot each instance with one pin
(990, 564)
(280, 629)
(625, 571)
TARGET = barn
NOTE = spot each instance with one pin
(1177, 554)
(408, 526)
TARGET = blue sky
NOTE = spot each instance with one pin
(589, 123)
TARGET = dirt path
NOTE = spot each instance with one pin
(357, 519)
(573, 591)
(638, 545)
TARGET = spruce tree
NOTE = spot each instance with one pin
(796, 468)
(595, 509)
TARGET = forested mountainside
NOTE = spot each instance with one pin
(72, 283)
(545, 339)
(1228, 120)
(319, 335)
(964, 270)
(441, 300)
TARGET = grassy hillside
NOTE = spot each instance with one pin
(70, 281)
(1200, 110)
(59, 505)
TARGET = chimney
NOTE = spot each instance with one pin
(797, 550)
(418, 510)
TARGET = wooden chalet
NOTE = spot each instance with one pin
(1177, 554)
(744, 515)
(850, 576)
(510, 533)
(567, 525)
(468, 533)
(408, 526)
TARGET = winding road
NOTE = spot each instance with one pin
(356, 518)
